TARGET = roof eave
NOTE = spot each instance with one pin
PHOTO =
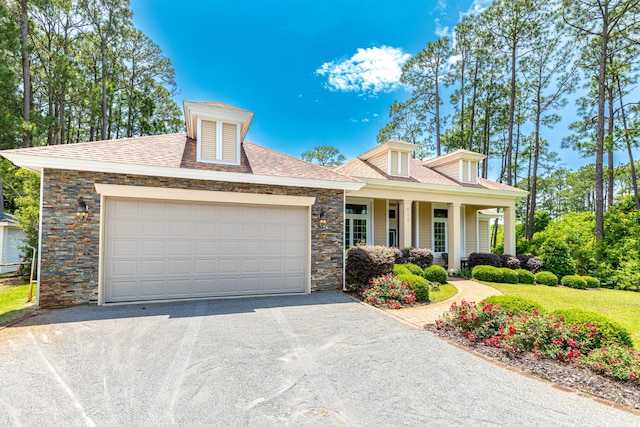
(440, 188)
(38, 163)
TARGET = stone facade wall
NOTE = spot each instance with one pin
(70, 247)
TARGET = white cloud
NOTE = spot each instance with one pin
(372, 70)
(477, 7)
(441, 31)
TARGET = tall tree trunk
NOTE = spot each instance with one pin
(634, 178)
(512, 108)
(26, 73)
(534, 172)
(610, 163)
(602, 73)
(472, 119)
(437, 117)
(103, 58)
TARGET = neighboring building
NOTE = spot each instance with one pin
(10, 238)
(209, 214)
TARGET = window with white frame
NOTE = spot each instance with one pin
(469, 171)
(356, 224)
(399, 163)
(440, 224)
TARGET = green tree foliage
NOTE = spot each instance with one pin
(325, 155)
(555, 258)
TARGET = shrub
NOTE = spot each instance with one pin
(513, 304)
(435, 273)
(546, 278)
(413, 269)
(619, 362)
(486, 273)
(365, 262)
(573, 281)
(608, 330)
(476, 258)
(530, 262)
(508, 275)
(591, 282)
(509, 261)
(418, 256)
(389, 291)
(556, 259)
(399, 269)
(418, 284)
(464, 272)
(398, 255)
(525, 276)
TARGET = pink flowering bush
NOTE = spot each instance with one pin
(543, 334)
(387, 291)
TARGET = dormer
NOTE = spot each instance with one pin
(392, 157)
(461, 165)
(218, 129)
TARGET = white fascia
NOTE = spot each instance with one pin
(438, 188)
(38, 163)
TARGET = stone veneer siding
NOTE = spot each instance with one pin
(70, 248)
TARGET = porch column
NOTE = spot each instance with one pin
(510, 230)
(454, 235)
(404, 223)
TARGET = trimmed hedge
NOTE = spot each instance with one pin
(435, 273)
(525, 277)
(608, 329)
(399, 269)
(418, 284)
(530, 262)
(476, 258)
(514, 304)
(413, 269)
(509, 261)
(592, 282)
(508, 275)
(573, 281)
(546, 278)
(418, 256)
(365, 262)
(487, 273)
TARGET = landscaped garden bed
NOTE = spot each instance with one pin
(523, 336)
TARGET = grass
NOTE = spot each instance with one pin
(622, 306)
(13, 302)
(446, 291)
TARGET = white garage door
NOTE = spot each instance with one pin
(166, 250)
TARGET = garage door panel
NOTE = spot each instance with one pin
(152, 228)
(153, 247)
(169, 249)
(151, 267)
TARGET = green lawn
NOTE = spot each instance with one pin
(13, 302)
(623, 306)
(446, 291)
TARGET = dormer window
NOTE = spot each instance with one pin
(218, 130)
(218, 142)
(469, 171)
(399, 163)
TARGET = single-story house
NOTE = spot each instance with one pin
(207, 214)
(10, 238)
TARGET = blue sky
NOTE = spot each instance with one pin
(314, 73)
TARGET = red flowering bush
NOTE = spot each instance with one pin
(544, 335)
(387, 291)
(615, 361)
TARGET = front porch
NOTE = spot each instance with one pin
(442, 224)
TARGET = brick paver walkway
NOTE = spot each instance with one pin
(468, 290)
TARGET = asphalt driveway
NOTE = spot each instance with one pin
(319, 359)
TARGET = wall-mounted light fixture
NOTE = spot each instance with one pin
(82, 211)
(322, 218)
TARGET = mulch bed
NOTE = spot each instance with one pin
(565, 375)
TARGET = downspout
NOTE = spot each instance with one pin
(344, 242)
